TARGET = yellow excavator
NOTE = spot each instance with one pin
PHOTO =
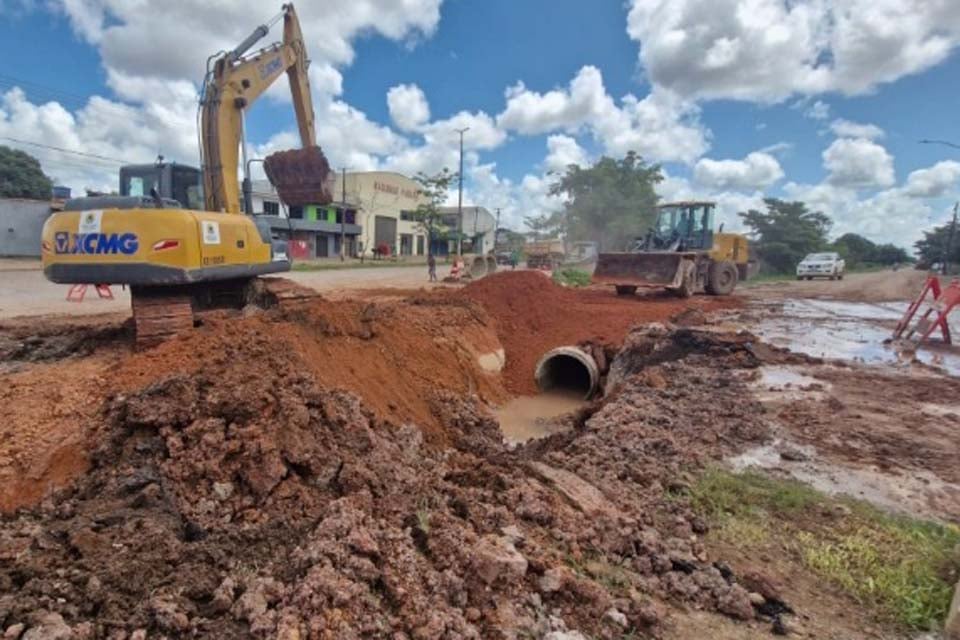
(177, 235)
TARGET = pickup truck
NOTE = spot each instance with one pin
(821, 265)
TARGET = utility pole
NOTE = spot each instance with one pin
(496, 231)
(460, 196)
(949, 248)
(343, 214)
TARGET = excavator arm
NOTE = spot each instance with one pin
(231, 86)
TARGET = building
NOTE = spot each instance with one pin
(22, 224)
(380, 208)
(313, 231)
(381, 213)
(477, 225)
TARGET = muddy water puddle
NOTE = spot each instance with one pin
(527, 417)
(916, 493)
(852, 331)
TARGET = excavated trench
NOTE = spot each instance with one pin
(274, 476)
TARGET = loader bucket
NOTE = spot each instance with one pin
(639, 269)
(300, 176)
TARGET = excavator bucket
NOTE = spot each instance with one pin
(300, 176)
(654, 269)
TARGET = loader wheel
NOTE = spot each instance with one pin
(625, 289)
(722, 278)
(688, 282)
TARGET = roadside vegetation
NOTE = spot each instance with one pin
(903, 568)
(572, 277)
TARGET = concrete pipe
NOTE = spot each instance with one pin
(567, 369)
(491, 265)
(478, 267)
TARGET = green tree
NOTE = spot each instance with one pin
(786, 232)
(434, 188)
(855, 249)
(930, 249)
(542, 225)
(611, 202)
(21, 176)
(861, 252)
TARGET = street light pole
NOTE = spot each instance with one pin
(460, 196)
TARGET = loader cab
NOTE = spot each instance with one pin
(174, 181)
(683, 226)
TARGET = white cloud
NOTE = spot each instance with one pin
(562, 151)
(120, 133)
(933, 182)
(768, 50)
(757, 171)
(847, 129)
(408, 106)
(885, 216)
(174, 42)
(660, 127)
(858, 164)
(818, 110)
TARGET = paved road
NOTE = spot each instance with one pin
(25, 292)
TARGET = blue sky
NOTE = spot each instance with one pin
(828, 111)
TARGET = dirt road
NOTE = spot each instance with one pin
(877, 286)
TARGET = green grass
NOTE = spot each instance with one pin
(902, 567)
(571, 277)
(353, 264)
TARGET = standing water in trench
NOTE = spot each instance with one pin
(567, 377)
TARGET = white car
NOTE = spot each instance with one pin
(821, 265)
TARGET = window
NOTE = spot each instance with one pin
(296, 212)
(409, 216)
(271, 208)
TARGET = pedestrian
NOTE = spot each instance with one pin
(514, 259)
(432, 267)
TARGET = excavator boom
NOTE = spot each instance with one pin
(231, 86)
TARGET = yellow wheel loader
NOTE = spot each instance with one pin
(681, 253)
(175, 234)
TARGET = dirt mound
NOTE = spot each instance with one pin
(397, 357)
(534, 315)
(231, 503)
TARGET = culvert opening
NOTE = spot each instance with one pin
(567, 370)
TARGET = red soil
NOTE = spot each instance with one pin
(534, 315)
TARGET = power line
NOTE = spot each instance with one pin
(62, 150)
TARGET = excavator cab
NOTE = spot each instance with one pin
(171, 181)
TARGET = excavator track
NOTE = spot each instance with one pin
(160, 313)
(158, 317)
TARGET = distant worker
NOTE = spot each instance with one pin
(514, 259)
(432, 267)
